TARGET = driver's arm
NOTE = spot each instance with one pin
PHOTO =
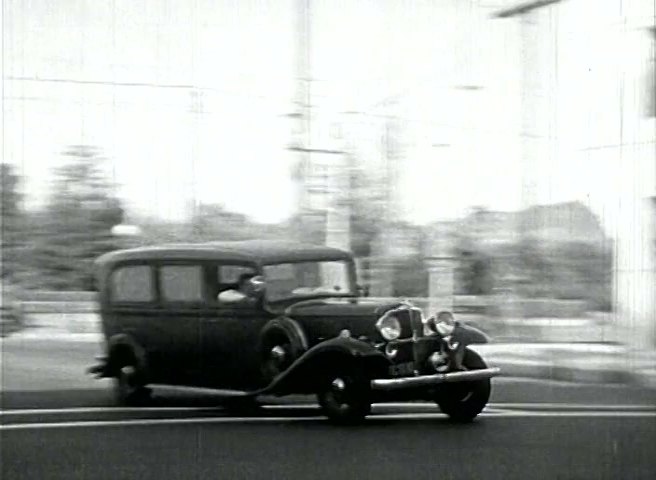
(229, 296)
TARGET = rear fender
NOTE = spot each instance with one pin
(122, 347)
(303, 375)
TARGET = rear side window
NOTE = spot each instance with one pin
(132, 284)
(181, 283)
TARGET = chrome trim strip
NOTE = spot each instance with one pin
(428, 380)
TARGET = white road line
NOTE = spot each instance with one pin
(56, 411)
(64, 411)
(305, 406)
(160, 421)
(583, 414)
(268, 420)
(536, 406)
(572, 406)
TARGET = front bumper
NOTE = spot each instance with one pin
(389, 384)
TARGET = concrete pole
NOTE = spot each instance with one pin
(441, 261)
(382, 281)
(441, 272)
(338, 217)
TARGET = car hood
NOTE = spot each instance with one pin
(324, 318)
(342, 307)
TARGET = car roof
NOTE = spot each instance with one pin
(260, 252)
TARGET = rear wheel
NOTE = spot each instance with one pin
(344, 395)
(463, 401)
(129, 388)
(277, 356)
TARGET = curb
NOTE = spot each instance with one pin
(536, 369)
(646, 377)
(43, 335)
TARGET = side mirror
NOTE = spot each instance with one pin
(363, 290)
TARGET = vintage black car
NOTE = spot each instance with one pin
(278, 318)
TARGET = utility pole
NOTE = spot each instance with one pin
(383, 263)
(320, 171)
(538, 102)
(196, 111)
(538, 92)
(301, 115)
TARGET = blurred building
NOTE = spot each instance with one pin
(559, 222)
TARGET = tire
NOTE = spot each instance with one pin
(282, 342)
(129, 389)
(463, 401)
(344, 395)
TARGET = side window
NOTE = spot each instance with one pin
(231, 273)
(132, 284)
(228, 282)
(181, 283)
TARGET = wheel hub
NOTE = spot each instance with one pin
(278, 353)
(338, 385)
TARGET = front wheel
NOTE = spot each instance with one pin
(463, 401)
(344, 396)
(282, 342)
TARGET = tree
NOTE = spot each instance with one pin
(78, 219)
(12, 221)
(10, 195)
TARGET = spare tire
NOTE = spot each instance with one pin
(282, 341)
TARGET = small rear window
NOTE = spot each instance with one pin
(132, 284)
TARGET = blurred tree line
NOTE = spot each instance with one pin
(54, 247)
(532, 268)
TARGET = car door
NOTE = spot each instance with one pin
(181, 308)
(135, 312)
(230, 335)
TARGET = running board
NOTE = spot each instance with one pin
(387, 384)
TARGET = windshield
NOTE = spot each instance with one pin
(307, 279)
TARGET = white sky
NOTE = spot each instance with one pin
(241, 53)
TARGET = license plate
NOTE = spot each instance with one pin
(402, 369)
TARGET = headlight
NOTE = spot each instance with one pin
(389, 327)
(443, 323)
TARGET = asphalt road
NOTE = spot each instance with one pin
(57, 423)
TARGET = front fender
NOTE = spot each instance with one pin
(302, 375)
(468, 335)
